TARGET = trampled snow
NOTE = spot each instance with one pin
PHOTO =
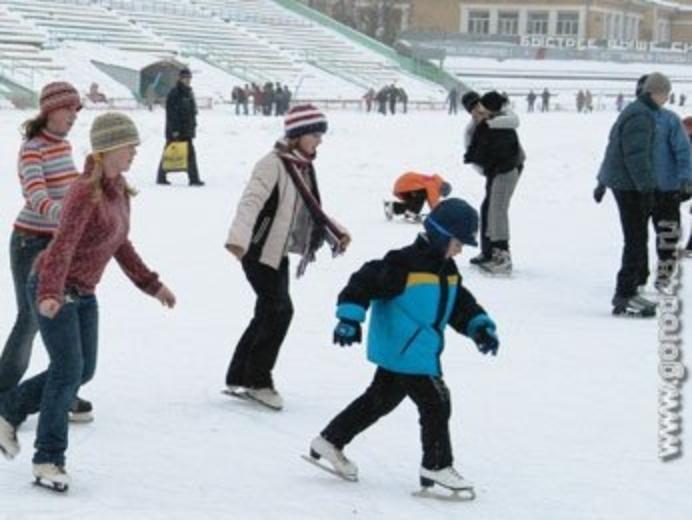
(562, 424)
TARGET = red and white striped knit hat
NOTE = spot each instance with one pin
(304, 119)
(58, 94)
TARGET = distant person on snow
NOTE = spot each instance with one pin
(181, 125)
(413, 190)
(405, 290)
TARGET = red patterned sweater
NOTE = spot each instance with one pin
(89, 234)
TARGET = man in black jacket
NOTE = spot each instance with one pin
(181, 124)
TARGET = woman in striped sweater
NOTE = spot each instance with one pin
(46, 170)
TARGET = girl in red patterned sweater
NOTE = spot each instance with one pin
(93, 228)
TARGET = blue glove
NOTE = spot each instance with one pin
(481, 330)
(487, 341)
(347, 332)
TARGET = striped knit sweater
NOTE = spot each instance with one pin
(46, 170)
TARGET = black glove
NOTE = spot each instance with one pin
(599, 192)
(486, 340)
(686, 192)
(347, 332)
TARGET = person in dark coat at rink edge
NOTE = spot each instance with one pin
(181, 125)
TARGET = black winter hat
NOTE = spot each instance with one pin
(470, 100)
(493, 101)
(184, 73)
(452, 218)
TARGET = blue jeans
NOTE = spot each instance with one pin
(71, 338)
(24, 248)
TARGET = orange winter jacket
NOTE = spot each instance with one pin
(412, 181)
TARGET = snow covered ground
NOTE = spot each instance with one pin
(561, 425)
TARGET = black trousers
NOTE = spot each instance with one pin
(411, 201)
(635, 209)
(256, 352)
(387, 390)
(666, 219)
(192, 172)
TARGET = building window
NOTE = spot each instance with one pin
(537, 23)
(508, 23)
(631, 28)
(567, 24)
(664, 31)
(479, 22)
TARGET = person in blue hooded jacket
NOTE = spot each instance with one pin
(414, 293)
(628, 169)
(674, 181)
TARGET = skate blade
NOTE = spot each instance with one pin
(80, 418)
(244, 396)
(328, 469)
(454, 495)
(633, 315)
(51, 486)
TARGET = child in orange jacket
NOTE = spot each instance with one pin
(413, 190)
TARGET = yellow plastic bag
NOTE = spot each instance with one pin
(175, 157)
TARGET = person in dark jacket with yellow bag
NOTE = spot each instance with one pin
(181, 125)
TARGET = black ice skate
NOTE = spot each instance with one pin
(81, 411)
(633, 307)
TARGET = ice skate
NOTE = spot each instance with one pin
(413, 218)
(480, 259)
(9, 445)
(81, 411)
(500, 263)
(635, 307)
(51, 476)
(447, 478)
(266, 397)
(341, 466)
(388, 209)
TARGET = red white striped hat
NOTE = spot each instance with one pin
(58, 94)
(304, 119)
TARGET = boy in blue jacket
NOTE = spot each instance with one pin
(415, 292)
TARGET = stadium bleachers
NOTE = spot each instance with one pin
(62, 21)
(252, 40)
(311, 43)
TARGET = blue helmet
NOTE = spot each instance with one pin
(452, 218)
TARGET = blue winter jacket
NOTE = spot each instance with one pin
(414, 293)
(671, 152)
(629, 158)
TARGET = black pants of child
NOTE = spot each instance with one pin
(666, 218)
(635, 209)
(192, 171)
(258, 348)
(387, 390)
(411, 201)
